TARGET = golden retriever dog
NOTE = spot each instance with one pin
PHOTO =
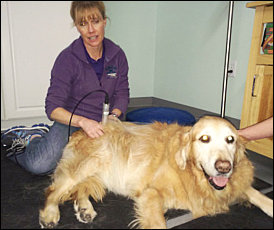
(159, 166)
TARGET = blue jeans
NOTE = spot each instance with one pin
(42, 154)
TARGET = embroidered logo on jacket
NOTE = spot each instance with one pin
(111, 71)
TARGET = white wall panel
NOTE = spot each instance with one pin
(32, 35)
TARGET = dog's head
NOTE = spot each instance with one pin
(215, 147)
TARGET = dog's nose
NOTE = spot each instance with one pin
(222, 166)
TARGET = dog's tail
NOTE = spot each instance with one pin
(260, 200)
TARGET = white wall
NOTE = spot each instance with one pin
(175, 51)
(186, 44)
(189, 63)
(32, 35)
(132, 25)
(190, 53)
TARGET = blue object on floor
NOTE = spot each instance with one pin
(161, 114)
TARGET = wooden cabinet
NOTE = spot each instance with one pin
(258, 97)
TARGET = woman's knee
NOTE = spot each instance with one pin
(43, 154)
(40, 159)
(40, 168)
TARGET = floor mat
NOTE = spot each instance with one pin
(22, 195)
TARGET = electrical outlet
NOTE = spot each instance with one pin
(232, 69)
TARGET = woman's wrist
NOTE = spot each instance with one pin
(81, 121)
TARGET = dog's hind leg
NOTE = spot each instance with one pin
(149, 210)
(91, 186)
(260, 200)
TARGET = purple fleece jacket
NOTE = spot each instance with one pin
(72, 77)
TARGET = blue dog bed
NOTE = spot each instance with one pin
(161, 114)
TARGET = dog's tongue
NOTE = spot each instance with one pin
(220, 180)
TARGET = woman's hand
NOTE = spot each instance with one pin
(92, 128)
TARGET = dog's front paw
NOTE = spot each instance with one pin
(49, 217)
(47, 225)
(84, 215)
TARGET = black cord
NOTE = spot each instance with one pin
(99, 90)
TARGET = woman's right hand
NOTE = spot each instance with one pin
(92, 128)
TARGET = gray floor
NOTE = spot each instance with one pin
(263, 166)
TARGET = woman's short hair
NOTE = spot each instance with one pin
(78, 9)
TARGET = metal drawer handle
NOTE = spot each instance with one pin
(253, 86)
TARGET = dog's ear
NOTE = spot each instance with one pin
(182, 155)
(241, 142)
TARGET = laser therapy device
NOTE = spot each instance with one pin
(105, 108)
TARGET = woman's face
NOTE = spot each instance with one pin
(91, 26)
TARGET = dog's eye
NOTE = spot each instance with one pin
(229, 139)
(204, 138)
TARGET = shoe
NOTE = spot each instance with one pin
(15, 139)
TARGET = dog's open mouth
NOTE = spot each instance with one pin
(218, 182)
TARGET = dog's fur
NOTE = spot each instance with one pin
(160, 166)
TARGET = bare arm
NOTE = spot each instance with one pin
(257, 131)
(92, 128)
